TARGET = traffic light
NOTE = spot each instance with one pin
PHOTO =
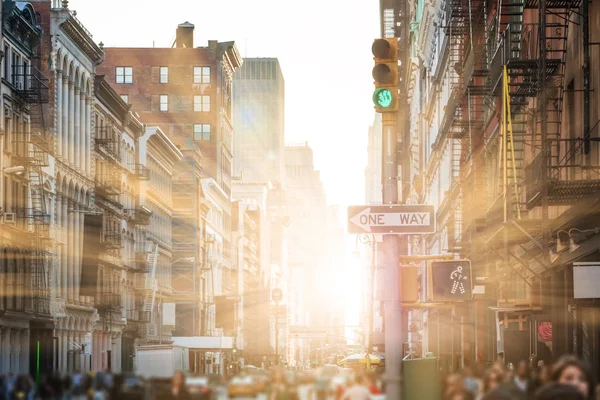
(450, 280)
(385, 74)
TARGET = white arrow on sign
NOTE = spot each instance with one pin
(365, 219)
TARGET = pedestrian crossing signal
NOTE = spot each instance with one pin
(450, 280)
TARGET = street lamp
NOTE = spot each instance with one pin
(186, 259)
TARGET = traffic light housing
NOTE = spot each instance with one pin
(385, 74)
(409, 283)
(450, 280)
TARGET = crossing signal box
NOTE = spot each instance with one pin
(450, 280)
(385, 74)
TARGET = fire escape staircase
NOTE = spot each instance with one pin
(31, 151)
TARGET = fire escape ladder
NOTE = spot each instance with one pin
(150, 282)
(513, 154)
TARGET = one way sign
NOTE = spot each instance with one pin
(392, 219)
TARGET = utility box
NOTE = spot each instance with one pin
(421, 379)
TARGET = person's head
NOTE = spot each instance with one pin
(522, 371)
(491, 381)
(558, 391)
(570, 371)
(278, 375)
(468, 372)
(454, 385)
(543, 374)
(178, 380)
(499, 369)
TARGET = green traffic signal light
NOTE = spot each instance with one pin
(382, 97)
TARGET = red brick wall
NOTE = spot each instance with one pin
(145, 90)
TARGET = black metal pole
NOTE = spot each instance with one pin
(545, 150)
(586, 77)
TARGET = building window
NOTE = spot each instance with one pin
(125, 98)
(202, 132)
(164, 74)
(201, 74)
(25, 74)
(16, 64)
(124, 75)
(201, 103)
(6, 61)
(164, 102)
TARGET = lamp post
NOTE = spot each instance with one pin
(277, 296)
(372, 243)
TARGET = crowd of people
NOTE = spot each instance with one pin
(78, 386)
(567, 379)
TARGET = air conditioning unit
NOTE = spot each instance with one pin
(9, 218)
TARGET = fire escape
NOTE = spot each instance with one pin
(538, 163)
(465, 118)
(145, 259)
(147, 286)
(31, 150)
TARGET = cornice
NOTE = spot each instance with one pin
(111, 100)
(82, 38)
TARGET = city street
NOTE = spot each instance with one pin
(304, 393)
(393, 198)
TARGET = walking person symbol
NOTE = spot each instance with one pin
(458, 278)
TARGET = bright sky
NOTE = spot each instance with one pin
(324, 47)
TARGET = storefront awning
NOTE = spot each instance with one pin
(205, 343)
(516, 309)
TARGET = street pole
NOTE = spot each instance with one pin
(371, 303)
(276, 334)
(391, 262)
